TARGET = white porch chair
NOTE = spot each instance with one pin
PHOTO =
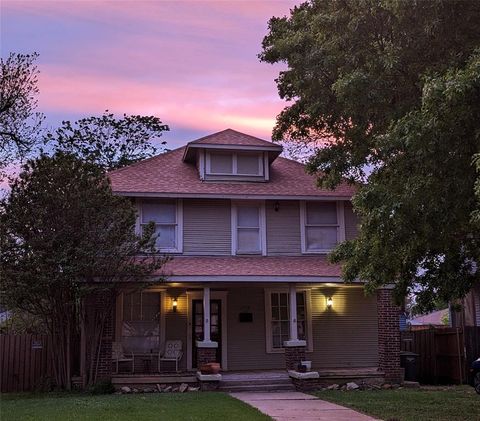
(172, 352)
(118, 356)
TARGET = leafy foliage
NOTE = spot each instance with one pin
(416, 210)
(61, 231)
(20, 124)
(354, 66)
(392, 86)
(108, 141)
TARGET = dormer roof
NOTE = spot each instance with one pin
(230, 139)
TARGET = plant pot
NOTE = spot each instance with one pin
(210, 368)
(307, 364)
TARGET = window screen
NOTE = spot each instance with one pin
(164, 214)
(248, 164)
(221, 163)
(248, 229)
(321, 226)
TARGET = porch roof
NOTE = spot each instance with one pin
(262, 266)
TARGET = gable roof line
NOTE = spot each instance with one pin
(142, 161)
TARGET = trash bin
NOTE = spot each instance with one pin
(408, 361)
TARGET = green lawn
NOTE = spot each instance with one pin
(454, 403)
(174, 406)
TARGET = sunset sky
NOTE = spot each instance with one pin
(192, 63)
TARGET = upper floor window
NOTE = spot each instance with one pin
(248, 231)
(167, 218)
(321, 227)
(235, 163)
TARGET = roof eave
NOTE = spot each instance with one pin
(189, 154)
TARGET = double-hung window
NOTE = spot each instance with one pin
(167, 218)
(248, 228)
(321, 226)
(278, 315)
(141, 321)
(235, 163)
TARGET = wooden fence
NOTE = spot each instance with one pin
(25, 362)
(445, 354)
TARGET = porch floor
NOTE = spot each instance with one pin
(244, 377)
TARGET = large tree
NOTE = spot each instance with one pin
(20, 123)
(392, 87)
(63, 237)
(109, 141)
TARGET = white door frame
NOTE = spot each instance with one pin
(214, 295)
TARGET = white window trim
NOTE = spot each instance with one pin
(234, 172)
(262, 223)
(119, 314)
(268, 318)
(178, 227)
(340, 227)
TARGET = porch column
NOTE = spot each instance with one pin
(206, 349)
(388, 314)
(294, 347)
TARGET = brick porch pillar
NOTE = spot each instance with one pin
(388, 314)
(95, 304)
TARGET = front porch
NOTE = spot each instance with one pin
(255, 329)
(255, 380)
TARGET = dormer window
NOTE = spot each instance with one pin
(234, 163)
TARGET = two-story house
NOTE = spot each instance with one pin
(250, 285)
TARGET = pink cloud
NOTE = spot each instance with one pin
(191, 63)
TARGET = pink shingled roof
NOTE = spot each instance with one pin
(167, 173)
(232, 137)
(251, 266)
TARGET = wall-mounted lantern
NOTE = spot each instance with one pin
(276, 206)
(329, 302)
(174, 305)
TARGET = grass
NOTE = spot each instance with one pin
(452, 403)
(142, 407)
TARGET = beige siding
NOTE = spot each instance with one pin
(346, 335)
(351, 222)
(246, 341)
(207, 227)
(283, 228)
(176, 323)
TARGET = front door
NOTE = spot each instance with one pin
(215, 327)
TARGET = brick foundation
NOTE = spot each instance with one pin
(293, 356)
(388, 336)
(206, 355)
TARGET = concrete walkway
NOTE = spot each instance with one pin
(289, 406)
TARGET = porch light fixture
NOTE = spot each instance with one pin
(329, 302)
(276, 206)
(174, 305)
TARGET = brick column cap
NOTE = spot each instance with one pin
(207, 344)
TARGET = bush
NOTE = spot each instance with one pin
(104, 387)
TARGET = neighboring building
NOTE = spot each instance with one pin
(469, 314)
(249, 233)
(439, 318)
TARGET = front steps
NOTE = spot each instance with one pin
(253, 382)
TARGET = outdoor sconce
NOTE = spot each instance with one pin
(329, 302)
(276, 206)
(174, 305)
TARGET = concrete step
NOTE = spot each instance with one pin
(238, 382)
(258, 388)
